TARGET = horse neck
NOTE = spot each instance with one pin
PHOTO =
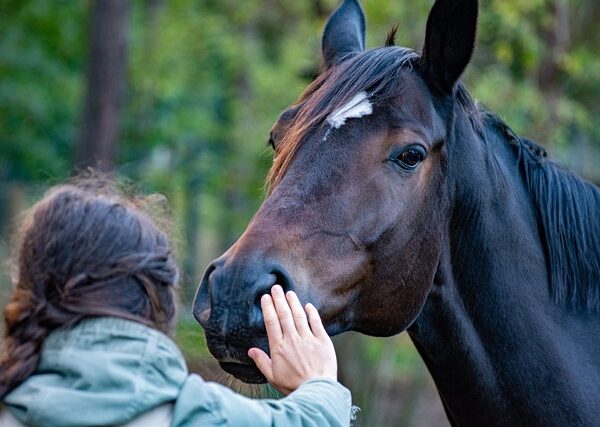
(489, 332)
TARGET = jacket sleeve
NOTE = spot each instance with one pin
(320, 402)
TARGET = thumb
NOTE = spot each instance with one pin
(263, 362)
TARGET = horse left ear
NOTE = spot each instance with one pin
(344, 33)
(449, 42)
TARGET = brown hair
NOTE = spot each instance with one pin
(83, 251)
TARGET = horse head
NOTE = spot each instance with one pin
(358, 201)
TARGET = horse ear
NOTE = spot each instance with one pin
(344, 33)
(449, 42)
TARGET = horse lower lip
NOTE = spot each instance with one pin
(246, 373)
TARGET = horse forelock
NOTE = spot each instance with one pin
(377, 73)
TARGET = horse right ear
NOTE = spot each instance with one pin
(344, 33)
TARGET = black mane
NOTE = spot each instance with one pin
(568, 215)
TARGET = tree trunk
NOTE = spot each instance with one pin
(557, 37)
(98, 143)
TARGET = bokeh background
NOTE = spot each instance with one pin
(179, 97)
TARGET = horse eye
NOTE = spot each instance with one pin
(410, 158)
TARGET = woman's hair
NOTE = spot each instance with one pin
(83, 251)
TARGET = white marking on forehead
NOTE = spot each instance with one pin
(358, 107)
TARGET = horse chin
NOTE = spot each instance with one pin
(233, 358)
(244, 372)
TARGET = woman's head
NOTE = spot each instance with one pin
(83, 251)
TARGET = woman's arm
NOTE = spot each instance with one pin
(302, 365)
(319, 402)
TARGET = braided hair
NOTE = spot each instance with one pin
(83, 251)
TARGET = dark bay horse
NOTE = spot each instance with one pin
(395, 203)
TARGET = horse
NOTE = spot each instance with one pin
(395, 203)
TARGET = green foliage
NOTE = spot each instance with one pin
(403, 356)
(537, 64)
(190, 339)
(207, 79)
(41, 75)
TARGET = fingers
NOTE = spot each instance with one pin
(298, 313)
(271, 320)
(316, 325)
(283, 315)
(263, 362)
(283, 311)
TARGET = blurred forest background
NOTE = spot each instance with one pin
(179, 97)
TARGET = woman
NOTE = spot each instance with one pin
(86, 330)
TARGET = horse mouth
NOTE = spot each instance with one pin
(244, 372)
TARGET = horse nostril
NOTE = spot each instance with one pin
(278, 276)
(283, 279)
(202, 301)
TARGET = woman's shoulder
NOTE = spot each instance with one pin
(115, 369)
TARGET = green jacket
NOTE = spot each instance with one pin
(109, 371)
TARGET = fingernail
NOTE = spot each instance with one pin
(265, 298)
(250, 353)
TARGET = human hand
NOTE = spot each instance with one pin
(300, 348)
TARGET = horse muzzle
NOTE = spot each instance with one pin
(227, 306)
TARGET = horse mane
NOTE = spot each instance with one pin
(567, 208)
